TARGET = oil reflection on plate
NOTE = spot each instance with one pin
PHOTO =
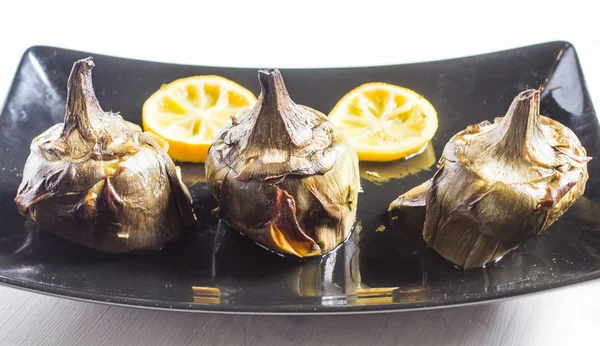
(375, 266)
(381, 172)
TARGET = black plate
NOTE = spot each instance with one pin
(212, 268)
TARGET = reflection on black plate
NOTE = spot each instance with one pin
(384, 266)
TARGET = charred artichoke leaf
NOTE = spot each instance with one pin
(283, 175)
(499, 184)
(414, 198)
(410, 207)
(98, 180)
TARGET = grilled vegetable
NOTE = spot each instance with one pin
(500, 184)
(283, 175)
(99, 181)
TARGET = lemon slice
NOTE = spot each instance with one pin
(385, 122)
(188, 113)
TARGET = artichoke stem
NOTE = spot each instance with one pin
(520, 125)
(82, 104)
(279, 122)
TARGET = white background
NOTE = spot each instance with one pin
(300, 34)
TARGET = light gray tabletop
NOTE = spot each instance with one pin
(560, 317)
(302, 34)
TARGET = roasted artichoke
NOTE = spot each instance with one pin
(500, 184)
(283, 175)
(99, 181)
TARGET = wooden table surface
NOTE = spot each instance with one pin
(300, 34)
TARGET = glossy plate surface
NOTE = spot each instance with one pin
(383, 266)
